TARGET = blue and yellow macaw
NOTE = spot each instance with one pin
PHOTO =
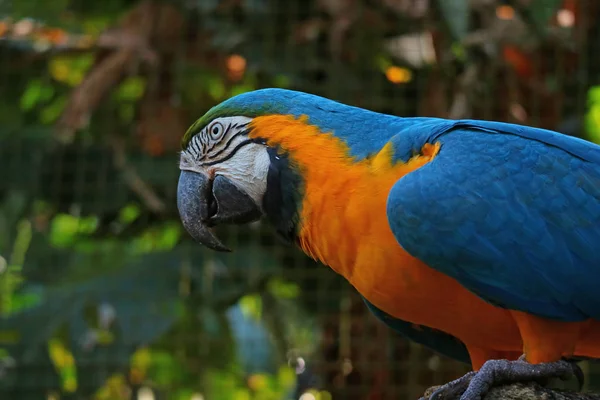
(475, 238)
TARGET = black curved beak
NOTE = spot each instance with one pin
(203, 203)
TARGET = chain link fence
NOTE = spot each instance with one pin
(104, 296)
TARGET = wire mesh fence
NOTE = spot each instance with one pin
(102, 293)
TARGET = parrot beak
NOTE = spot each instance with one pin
(204, 203)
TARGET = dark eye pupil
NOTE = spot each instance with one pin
(215, 130)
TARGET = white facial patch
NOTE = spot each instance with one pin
(223, 148)
(248, 170)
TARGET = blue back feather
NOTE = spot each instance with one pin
(512, 213)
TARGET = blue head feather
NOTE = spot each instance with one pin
(364, 131)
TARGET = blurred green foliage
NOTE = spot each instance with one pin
(102, 294)
(592, 120)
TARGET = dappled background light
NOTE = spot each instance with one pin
(104, 296)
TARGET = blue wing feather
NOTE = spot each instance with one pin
(511, 212)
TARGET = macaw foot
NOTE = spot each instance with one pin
(475, 385)
(453, 389)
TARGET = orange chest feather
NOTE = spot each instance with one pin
(343, 216)
(343, 224)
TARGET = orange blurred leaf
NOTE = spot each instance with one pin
(518, 60)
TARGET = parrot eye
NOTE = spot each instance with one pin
(216, 130)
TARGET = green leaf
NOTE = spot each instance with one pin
(129, 213)
(594, 95)
(186, 394)
(131, 89)
(65, 229)
(21, 244)
(592, 117)
(282, 289)
(64, 362)
(70, 69)
(96, 24)
(164, 368)
(127, 112)
(459, 51)
(224, 385)
(456, 15)
(3, 353)
(592, 123)
(10, 276)
(286, 377)
(158, 238)
(36, 92)
(52, 111)
(23, 300)
(251, 306)
(282, 81)
(216, 88)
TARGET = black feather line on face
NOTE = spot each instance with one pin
(282, 201)
(231, 139)
(228, 156)
(196, 149)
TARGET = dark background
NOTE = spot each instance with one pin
(104, 296)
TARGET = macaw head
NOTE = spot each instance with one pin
(237, 161)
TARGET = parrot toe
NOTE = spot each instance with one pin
(475, 385)
(452, 390)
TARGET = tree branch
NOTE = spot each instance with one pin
(528, 391)
(133, 180)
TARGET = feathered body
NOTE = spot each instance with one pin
(485, 232)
